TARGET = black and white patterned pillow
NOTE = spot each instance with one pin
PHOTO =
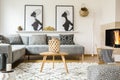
(67, 39)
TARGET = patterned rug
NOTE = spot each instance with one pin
(31, 71)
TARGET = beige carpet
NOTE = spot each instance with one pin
(31, 71)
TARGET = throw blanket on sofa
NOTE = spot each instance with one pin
(106, 55)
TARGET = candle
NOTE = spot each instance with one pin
(8, 67)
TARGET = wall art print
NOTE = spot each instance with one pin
(33, 18)
(65, 17)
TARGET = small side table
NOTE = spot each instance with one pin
(62, 54)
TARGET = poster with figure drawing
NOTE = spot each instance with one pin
(65, 17)
(33, 20)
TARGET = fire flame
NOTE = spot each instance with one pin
(117, 37)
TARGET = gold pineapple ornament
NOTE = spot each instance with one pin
(83, 11)
(20, 28)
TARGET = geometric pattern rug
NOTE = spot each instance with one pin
(31, 71)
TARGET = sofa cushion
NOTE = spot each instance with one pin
(67, 39)
(2, 39)
(37, 40)
(25, 40)
(15, 39)
(36, 49)
(72, 49)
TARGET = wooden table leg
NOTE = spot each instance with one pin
(82, 57)
(53, 61)
(63, 58)
(44, 59)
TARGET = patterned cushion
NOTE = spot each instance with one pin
(15, 39)
(67, 39)
(37, 39)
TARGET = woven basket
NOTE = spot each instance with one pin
(54, 45)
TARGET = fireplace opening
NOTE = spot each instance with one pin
(112, 38)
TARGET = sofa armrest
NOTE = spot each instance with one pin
(6, 48)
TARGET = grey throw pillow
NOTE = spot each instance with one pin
(3, 39)
(15, 39)
(37, 39)
(67, 39)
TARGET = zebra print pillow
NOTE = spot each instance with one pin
(67, 39)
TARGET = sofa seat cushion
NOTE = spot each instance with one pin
(36, 49)
(17, 47)
(18, 51)
(72, 49)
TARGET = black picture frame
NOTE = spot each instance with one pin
(33, 17)
(64, 17)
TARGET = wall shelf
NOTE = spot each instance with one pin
(47, 32)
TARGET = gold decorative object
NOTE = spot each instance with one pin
(48, 28)
(84, 11)
(20, 28)
(54, 45)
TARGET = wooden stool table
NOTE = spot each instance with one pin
(62, 54)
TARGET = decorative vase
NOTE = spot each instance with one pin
(84, 12)
(20, 28)
(54, 45)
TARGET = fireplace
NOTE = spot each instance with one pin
(112, 38)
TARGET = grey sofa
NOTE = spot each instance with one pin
(17, 46)
(13, 52)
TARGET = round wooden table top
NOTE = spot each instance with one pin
(53, 53)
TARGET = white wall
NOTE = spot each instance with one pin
(108, 11)
(117, 16)
(13, 16)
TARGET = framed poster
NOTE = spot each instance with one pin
(65, 17)
(33, 18)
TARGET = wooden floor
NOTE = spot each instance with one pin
(88, 58)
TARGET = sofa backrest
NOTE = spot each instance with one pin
(65, 39)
